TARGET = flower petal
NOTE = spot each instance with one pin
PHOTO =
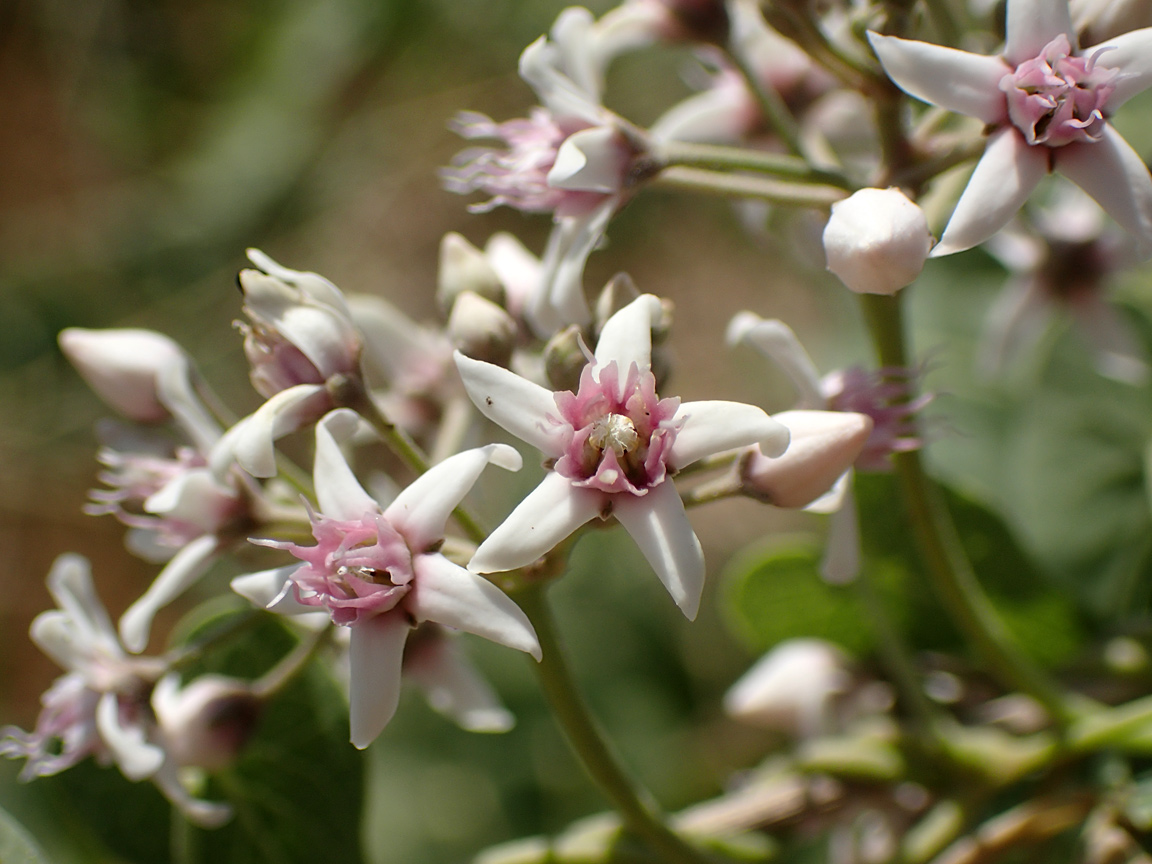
(1131, 55)
(375, 651)
(206, 814)
(626, 337)
(450, 595)
(957, 80)
(1114, 174)
(1004, 178)
(338, 492)
(251, 441)
(178, 575)
(659, 525)
(271, 590)
(548, 514)
(70, 584)
(588, 161)
(713, 427)
(841, 563)
(1032, 24)
(454, 687)
(560, 300)
(776, 340)
(135, 757)
(525, 409)
(421, 511)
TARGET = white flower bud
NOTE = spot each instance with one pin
(876, 241)
(123, 367)
(481, 329)
(790, 688)
(207, 723)
(463, 267)
(823, 446)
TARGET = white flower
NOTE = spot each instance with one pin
(102, 705)
(1047, 105)
(613, 448)
(379, 571)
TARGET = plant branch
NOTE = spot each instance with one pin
(743, 186)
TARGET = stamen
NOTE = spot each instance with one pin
(614, 431)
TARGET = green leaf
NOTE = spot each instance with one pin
(16, 844)
(297, 789)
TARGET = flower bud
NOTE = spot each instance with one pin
(564, 359)
(463, 267)
(619, 291)
(123, 367)
(790, 688)
(824, 445)
(481, 329)
(207, 723)
(876, 241)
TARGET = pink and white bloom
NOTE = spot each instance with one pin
(101, 706)
(176, 508)
(571, 157)
(379, 571)
(612, 448)
(1047, 104)
(300, 340)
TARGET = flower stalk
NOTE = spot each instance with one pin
(637, 809)
(742, 186)
(947, 564)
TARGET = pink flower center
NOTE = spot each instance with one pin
(357, 568)
(1058, 98)
(886, 397)
(620, 438)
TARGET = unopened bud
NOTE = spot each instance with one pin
(207, 723)
(123, 367)
(463, 268)
(790, 688)
(481, 329)
(564, 359)
(616, 294)
(876, 241)
(823, 446)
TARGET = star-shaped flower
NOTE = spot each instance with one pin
(1047, 106)
(380, 571)
(612, 448)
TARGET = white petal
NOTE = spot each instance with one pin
(55, 634)
(841, 563)
(70, 584)
(194, 497)
(626, 337)
(454, 597)
(659, 525)
(206, 814)
(524, 408)
(1114, 174)
(376, 651)
(1118, 352)
(714, 426)
(549, 513)
(1131, 54)
(454, 687)
(421, 511)
(588, 161)
(519, 270)
(178, 575)
(1032, 24)
(540, 65)
(719, 115)
(312, 284)
(251, 441)
(135, 757)
(175, 391)
(956, 80)
(560, 300)
(1004, 178)
(271, 590)
(338, 492)
(776, 340)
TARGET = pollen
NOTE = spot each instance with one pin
(616, 432)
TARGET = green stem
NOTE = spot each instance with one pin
(771, 104)
(942, 552)
(1110, 726)
(718, 158)
(742, 186)
(638, 811)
